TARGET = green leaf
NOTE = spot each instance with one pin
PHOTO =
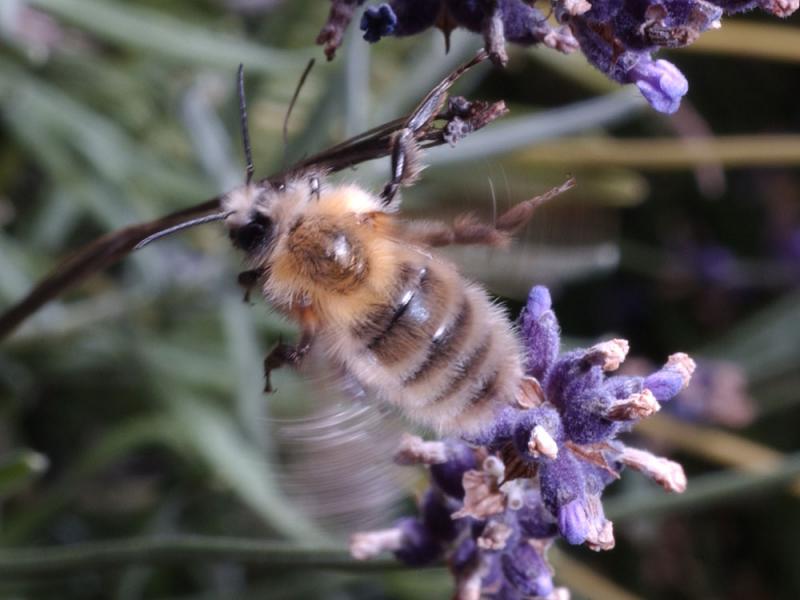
(18, 469)
(154, 32)
(179, 549)
(214, 437)
(511, 134)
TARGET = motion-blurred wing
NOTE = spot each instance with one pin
(336, 455)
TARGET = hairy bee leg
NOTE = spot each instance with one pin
(518, 215)
(285, 354)
(465, 230)
(248, 280)
(405, 164)
(468, 229)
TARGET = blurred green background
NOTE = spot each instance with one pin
(133, 407)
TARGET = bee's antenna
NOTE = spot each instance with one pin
(180, 226)
(299, 87)
(248, 153)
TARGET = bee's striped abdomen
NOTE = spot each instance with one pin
(436, 347)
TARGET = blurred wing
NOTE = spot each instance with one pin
(337, 454)
(378, 142)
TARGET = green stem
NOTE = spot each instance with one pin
(178, 549)
(173, 37)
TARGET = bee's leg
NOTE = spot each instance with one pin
(467, 229)
(285, 354)
(248, 280)
(518, 215)
(405, 164)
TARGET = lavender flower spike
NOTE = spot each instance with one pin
(538, 470)
(660, 82)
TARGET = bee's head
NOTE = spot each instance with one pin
(255, 212)
(251, 216)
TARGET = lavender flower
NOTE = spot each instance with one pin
(616, 36)
(537, 472)
(717, 394)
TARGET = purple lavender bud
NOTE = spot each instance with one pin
(465, 557)
(533, 518)
(572, 375)
(448, 475)
(575, 386)
(523, 24)
(561, 481)
(622, 386)
(499, 431)
(436, 510)
(604, 10)
(540, 334)
(584, 420)
(419, 546)
(493, 571)
(665, 384)
(526, 570)
(660, 82)
(600, 50)
(399, 18)
(378, 22)
(507, 592)
(544, 417)
(573, 521)
(644, 26)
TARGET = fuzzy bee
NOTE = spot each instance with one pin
(365, 286)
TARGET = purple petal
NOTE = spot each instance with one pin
(419, 546)
(534, 519)
(465, 556)
(526, 570)
(540, 334)
(660, 82)
(378, 22)
(572, 375)
(436, 510)
(561, 481)
(448, 475)
(573, 522)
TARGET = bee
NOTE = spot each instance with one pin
(367, 290)
(365, 286)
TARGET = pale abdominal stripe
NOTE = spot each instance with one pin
(437, 348)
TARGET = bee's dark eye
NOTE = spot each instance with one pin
(253, 235)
